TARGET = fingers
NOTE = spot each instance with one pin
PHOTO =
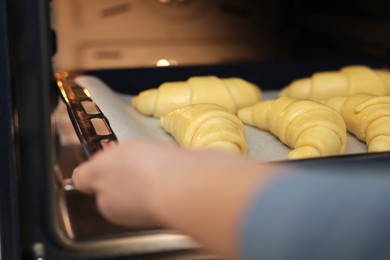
(114, 158)
(107, 145)
(83, 179)
(85, 176)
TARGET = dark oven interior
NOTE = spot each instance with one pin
(269, 43)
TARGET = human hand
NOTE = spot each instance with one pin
(199, 192)
(128, 178)
(123, 178)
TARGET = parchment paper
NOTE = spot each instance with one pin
(127, 123)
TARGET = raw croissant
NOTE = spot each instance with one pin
(311, 128)
(347, 81)
(367, 117)
(206, 126)
(232, 93)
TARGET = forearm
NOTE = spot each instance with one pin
(209, 206)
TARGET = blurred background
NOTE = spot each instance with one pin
(95, 34)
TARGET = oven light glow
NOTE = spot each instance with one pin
(61, 87)
(64, 95)
(163, 63)
(86, 92)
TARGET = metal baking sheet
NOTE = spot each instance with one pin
(127, 123)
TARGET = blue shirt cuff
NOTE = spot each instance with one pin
(319, 215)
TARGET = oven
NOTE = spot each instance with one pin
(51, 52)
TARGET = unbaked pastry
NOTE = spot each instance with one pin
(206, 126)
(232, 93)
(367, 117)
(311, 128)
(347, 81)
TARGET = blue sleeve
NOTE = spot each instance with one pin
(319, 216)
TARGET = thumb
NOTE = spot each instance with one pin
(83, 179)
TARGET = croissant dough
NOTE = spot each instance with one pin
(206, 126)
(347, 81)
(311, 128)
(232, 93)
(367, 117)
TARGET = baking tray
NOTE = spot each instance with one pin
(109, 92)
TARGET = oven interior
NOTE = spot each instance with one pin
(146, 43)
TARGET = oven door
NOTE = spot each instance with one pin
(51, 220)
(9, 224)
